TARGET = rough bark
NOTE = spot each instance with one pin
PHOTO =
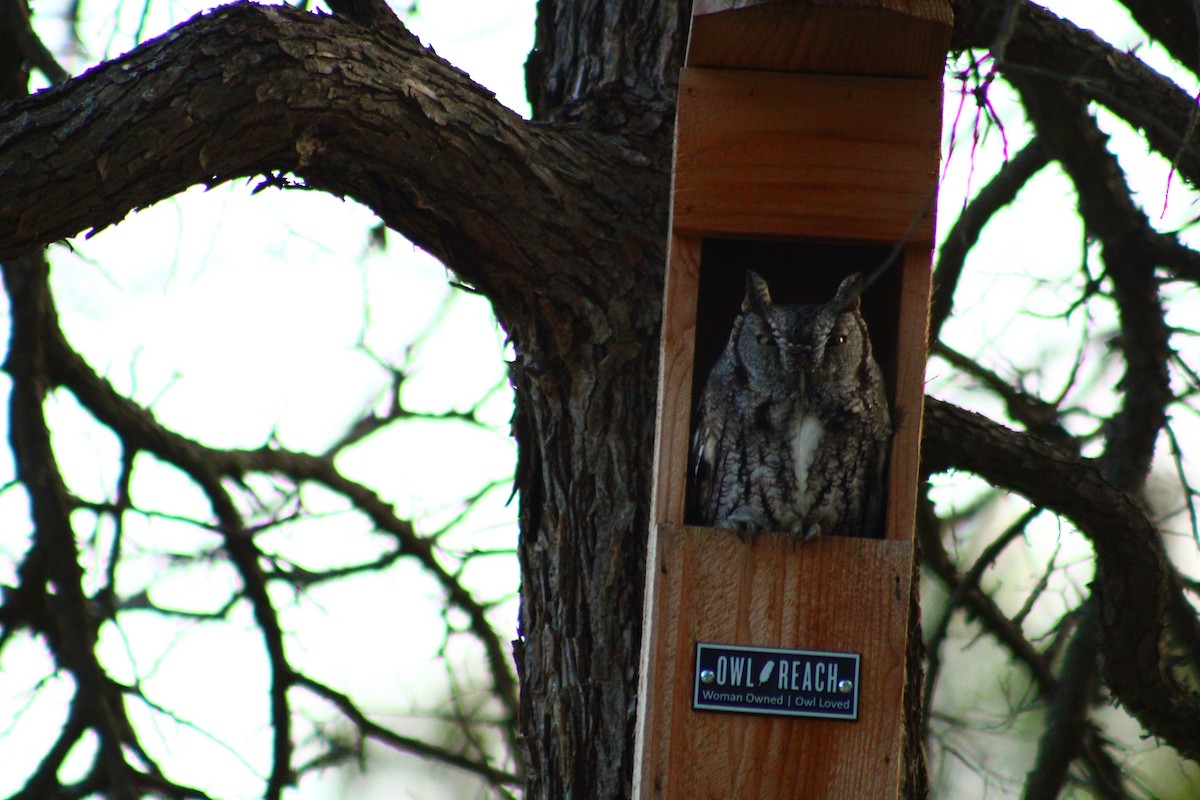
(248, 90)
(626, 84)
(588, 398)
(1173, 23)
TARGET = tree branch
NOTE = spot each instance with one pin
(14, 20)
(57, 364)
(1069, 732)
(356, 112)
(73, 628)
(1039, 44)
(35, 365)
(140, 431)
(346, 705)
(1175, 24)
(1039, 416)
(967, 594)
(1138, 581)
(952, 255)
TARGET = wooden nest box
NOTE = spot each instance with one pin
(807, 148)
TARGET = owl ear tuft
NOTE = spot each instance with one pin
(848, 294)
(758, 296)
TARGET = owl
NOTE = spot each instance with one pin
(792, 428)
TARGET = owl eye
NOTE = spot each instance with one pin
(839, 338)
(764, 339)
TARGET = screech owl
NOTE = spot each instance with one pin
(792, 428)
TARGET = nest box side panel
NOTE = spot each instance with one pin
(675, 367)
(912, 334)
(819, 156)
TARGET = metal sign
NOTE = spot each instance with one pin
(763, 680)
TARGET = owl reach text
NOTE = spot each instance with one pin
(798, 675)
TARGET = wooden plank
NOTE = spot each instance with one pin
(835, 594)
(911, 351)
(676, 362)
(893, 38)
(774, 154)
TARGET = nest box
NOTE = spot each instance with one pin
(807, 148)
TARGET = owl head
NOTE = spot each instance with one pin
(762, 353)
(819, 342)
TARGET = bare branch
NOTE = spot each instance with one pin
(967, 594)
(1175, 24)
(1039, 44)
(1037, 415)
(139, 429)
(1135, 579)
(406, 744)
(1069, 731)
(356, 112)
(73, 628)
(999, 192)
(14, 19)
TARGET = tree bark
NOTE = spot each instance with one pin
(586, 396)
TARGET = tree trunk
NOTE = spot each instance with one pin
(586, 377)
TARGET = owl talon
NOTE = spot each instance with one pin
(801, 538)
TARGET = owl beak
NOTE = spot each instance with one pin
(796, 362)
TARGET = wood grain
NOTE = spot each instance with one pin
(676, 363)
(896, 38)
(846, 595)
(829, 157)
(911, 354)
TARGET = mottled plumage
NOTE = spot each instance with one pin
(792, 427)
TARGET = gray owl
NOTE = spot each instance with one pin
(792, 428)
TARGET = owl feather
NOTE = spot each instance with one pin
(792, 427)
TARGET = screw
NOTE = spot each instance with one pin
(707, 676)
(845, 686)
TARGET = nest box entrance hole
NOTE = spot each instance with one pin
(796, 272)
